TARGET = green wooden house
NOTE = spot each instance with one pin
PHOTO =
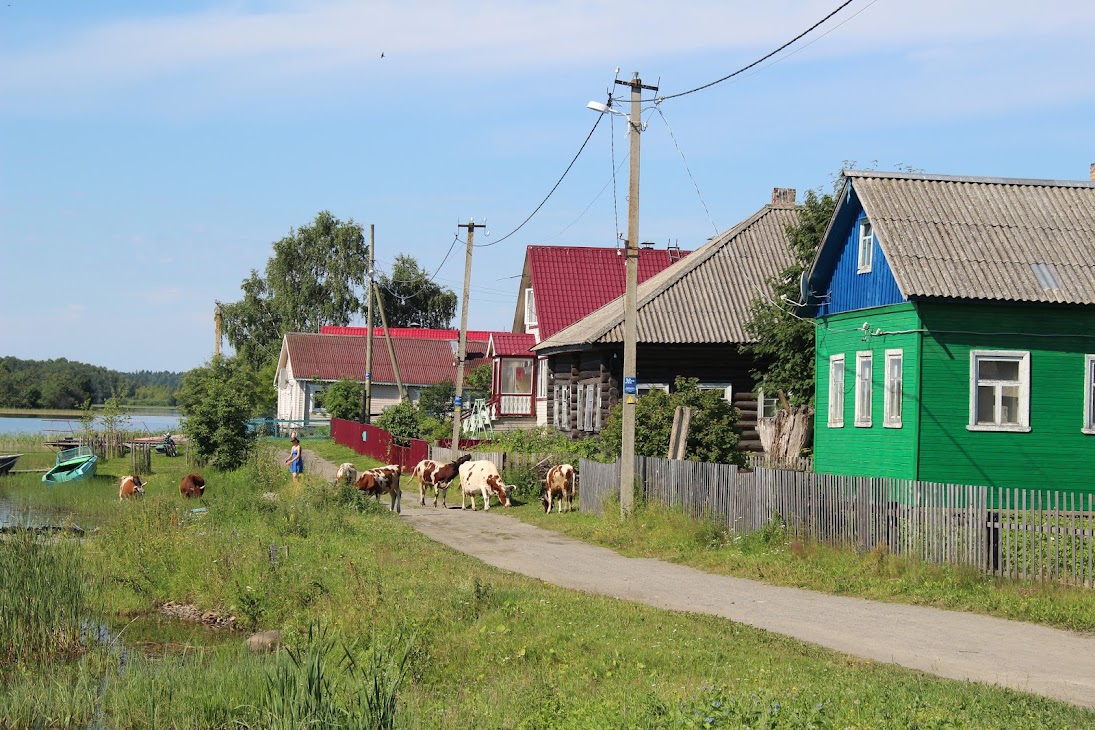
(956, 331)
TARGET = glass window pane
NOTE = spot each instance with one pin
(1009, 404)
(999, 370)
(986, 404)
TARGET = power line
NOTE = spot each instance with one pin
(760, 60)
(687, 169)
(550, 192)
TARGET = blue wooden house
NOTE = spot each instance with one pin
(956, 331)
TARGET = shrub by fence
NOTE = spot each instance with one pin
(1006, 532)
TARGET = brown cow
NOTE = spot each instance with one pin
(559, 484)
(431, 474)
(192, 485)
(382, 480)
(130, 486)
(482, 477)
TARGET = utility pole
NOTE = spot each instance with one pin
(627, 446)
(218, 325)
(462, 352)
(367, 394)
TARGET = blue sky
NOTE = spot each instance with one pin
(151, 153)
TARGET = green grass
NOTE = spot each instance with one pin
(774, 557)
(478, 647)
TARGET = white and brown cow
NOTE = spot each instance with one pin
(430, 473)
(346, 474)
(131, 486)
(559, 485)
(382, 480)
(482, 477)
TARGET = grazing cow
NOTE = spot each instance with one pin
(130, 486)
(559, 484)
(347, 474)
(192, 486)
(482, 477)
(382, 480)
(431, 474)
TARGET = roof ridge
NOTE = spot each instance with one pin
(1033, 182)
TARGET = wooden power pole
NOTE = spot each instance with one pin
(388, 339)
(367, 393)
(462, 352)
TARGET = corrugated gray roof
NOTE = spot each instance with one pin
(702, 299)
(984, 238)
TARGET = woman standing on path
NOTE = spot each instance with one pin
(295, 460)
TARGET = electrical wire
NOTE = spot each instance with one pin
(760, 60)
(695, 184)
(550, 192)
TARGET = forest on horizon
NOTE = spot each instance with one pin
(64, 384)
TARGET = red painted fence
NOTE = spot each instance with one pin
(379, 444)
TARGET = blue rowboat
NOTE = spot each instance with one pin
(72, 465)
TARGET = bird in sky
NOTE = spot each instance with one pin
(382, 54)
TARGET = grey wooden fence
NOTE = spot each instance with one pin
(504, 460)
(1010, 533)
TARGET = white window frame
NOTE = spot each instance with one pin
(763, 401)
(726, 389)
(836, 391)
(1089, 397)
(642, 389)
(895, 389)
(864, 388)
(561, 398)
(866, 246)
(587, 406)
(541, 378)
(530, 309)
(1023, 358)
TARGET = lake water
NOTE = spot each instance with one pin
(155, 425)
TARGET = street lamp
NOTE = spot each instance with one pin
(630, 391)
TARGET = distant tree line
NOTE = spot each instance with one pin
(64, 384)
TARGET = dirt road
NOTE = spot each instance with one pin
(965, 646)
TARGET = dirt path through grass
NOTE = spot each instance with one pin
(964, 646)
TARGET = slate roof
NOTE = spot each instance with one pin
(703, 299)
(983, 238)
(511, 344)
(569, 282)
(421, 361)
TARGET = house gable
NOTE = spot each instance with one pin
(838, 282)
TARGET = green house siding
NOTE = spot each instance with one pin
(876, 450)
(1054, 454)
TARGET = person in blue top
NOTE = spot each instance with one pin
(295, 460)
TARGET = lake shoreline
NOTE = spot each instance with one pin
(76, 413)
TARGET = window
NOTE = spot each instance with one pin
(517, 376)
(999, 390)
(530, 308)
(541, 378)
(587, 405)
(725, 388)
(767, 406)
(864, 362)
(642, 389)
(892, 400)
(1089, 394)
(866, 246)
(836, 391)
(561, 403)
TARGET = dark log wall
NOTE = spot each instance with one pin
(603, 367)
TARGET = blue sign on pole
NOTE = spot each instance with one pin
(457, 401)
(369, 375)
(630, 386)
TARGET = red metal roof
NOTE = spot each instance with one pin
(569, 282)
(421, 361)
(420, 333)
(512, 344)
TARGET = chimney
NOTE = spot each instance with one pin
(785, 197)
(1092, 173)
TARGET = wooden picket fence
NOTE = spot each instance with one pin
(1009, 533)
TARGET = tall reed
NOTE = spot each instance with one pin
(45, 601)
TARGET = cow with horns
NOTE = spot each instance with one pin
(429, 473)
(192, 485)
(382, 480)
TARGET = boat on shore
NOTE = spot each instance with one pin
(7, 462)
(72, 465)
